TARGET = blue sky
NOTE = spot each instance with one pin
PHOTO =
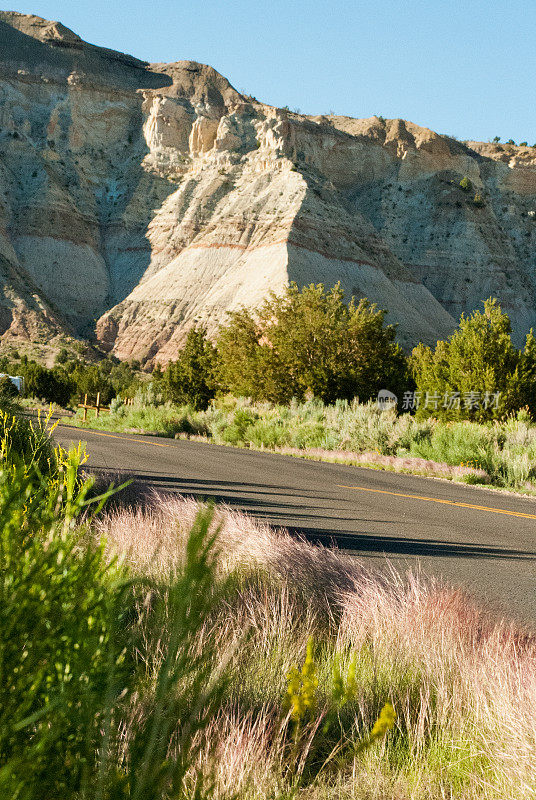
(461, 67)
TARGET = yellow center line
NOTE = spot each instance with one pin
(123, 438)
(437, 500)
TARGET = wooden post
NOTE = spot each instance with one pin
(85, 408)
(98, 403)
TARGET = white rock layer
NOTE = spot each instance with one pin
(137, 200)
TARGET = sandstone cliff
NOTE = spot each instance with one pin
(137, 199)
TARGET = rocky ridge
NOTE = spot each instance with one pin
(138, 199)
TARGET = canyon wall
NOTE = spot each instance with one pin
(137, 200)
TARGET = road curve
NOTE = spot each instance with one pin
(482, 540)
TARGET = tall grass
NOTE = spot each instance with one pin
(499, 453)
(463, 685)
(25, 441)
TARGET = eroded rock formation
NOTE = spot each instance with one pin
(137, 199)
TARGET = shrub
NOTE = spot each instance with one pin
(310, 342)
(478, 200)
(478, 367)
(237, 432)
(51, 385)
(57, 640)
(8, 390)
(191, 379)
(309, 434)
(465, 184)
(27, 443)
(270, 433)
(62, 356)
(462, 443)
(72, 630)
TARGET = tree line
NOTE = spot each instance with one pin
(309, 343)
(302, 343)
(70, 378)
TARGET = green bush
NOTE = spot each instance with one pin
(51, 385)
(58, 639)
(477, 373)
(237, 431)
(191, 379)
(26, 442)
(459, 443)
(465, 184)
(73, 627)
(312, 434)
(8, 390)
(310, 342)
(266, 433)
(478, 200)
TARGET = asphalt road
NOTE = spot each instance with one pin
(482, 540)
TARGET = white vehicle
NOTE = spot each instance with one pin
(16, 380)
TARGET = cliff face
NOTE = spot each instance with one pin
(137, 199)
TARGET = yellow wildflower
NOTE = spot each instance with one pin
(301, 688)
(384, 723)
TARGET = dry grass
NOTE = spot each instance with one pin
(463, 684)
(375, 460)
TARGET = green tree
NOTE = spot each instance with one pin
(123, 378)
(246, 366)
(8, 390)
(62, 356)
(93, 379)
(310, 341)
(527, 373)
(477, 373)
(191, 379)
(51, 385)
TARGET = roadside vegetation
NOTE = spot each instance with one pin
(178, 651)
(301, 375)
(72, 377)
(499, 453)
